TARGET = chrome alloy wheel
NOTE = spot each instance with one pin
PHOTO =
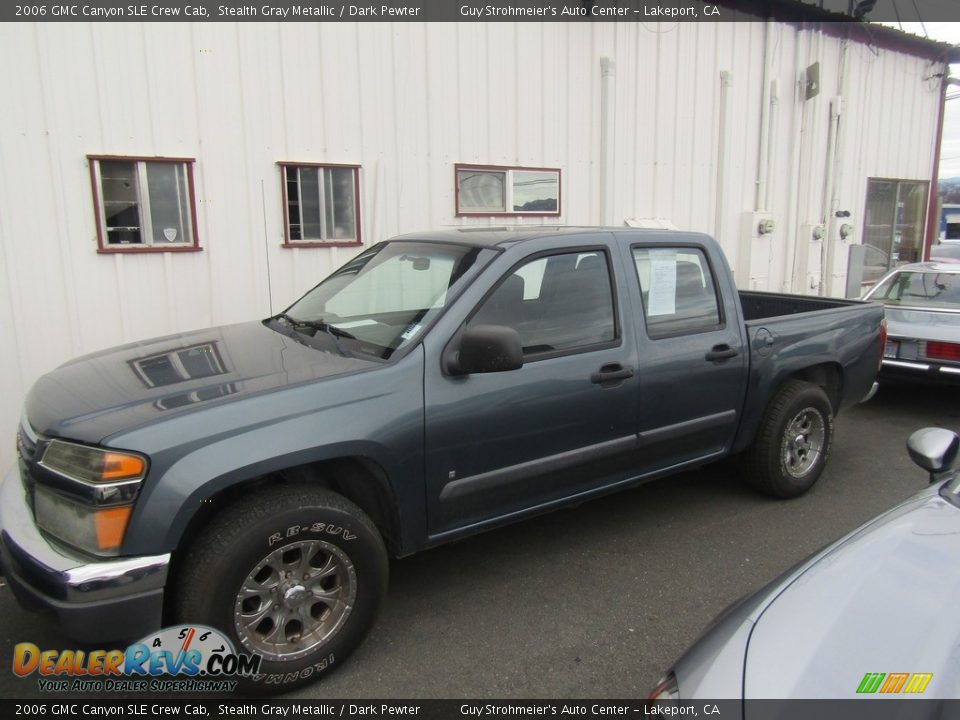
(803, 442)
(294, 599)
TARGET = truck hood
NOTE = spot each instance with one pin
(883, 601)
(922, 324)
(122, 388)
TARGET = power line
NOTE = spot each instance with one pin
(924, 27)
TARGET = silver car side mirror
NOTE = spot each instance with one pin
(935, 450)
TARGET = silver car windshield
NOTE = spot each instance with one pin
(383, 299)
(937, 290)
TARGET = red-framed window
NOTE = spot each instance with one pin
(506, 190)
(144, 204)
(321, 204)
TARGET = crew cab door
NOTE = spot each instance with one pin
(693, 361)
(500, 443)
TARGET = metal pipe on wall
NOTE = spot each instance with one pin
(794, 239)
(726, 80)
(763, 162)
(608, 75)
(835, 171)
(827, 213)
(771, 139)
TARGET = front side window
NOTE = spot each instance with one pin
(556, 303)
(143, 204)
(679, 294)
(494, 190)
(384, 298)
(320, 205)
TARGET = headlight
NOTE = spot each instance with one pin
(92, 465)
(85, 496)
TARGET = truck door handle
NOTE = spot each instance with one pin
(721, 352)
(611, 373)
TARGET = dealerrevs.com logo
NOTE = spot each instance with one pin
(183, 658)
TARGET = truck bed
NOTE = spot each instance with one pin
(763, 305)
(788, 334)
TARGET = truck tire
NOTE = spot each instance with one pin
(292, 573)
(793, 443)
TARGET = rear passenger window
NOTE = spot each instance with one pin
(556, 303)
(679, 295)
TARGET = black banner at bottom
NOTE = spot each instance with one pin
(853, 709)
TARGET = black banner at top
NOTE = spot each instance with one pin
(852, 11)
(325, 709)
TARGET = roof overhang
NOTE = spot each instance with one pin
(839, 24)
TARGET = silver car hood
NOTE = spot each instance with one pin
(922, 324)
(881, 601)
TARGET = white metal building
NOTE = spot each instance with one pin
(164, 177)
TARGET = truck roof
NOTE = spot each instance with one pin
(484, 236)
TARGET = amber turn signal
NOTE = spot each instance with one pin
(117, 466)
(110, 524)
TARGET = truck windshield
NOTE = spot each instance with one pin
(934, 290)
(381, 300)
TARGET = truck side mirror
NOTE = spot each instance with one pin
(935, 450)
(487, 349)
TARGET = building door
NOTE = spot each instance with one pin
(894, 221)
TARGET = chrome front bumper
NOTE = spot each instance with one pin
(95, 600)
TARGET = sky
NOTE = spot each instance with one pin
(948, 32)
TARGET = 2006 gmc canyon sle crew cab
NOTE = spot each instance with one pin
(256, 477)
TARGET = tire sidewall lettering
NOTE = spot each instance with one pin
(284, 678)
(318, 528)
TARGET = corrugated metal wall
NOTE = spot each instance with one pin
(406, 102)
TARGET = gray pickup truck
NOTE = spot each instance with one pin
(255, 478)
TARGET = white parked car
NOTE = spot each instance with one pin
(922, 308)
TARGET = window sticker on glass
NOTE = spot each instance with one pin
(410, 331)
(663, 282)
(355, 323)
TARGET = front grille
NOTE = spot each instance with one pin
(26, 447)
(27, 443)
(28, 482)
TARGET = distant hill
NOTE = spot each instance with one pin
(949, 189)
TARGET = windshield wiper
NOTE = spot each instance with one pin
(321, 325)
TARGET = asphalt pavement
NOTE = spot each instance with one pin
(597, 600)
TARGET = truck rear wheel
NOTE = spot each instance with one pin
(793, 442)
(294, 574)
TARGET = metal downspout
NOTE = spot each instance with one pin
(826, 214)
(608, 74)
(763, 162)
(726, 80)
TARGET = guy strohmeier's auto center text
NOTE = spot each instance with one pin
(651, 11)
(201, 11)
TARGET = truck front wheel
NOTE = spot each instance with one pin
(291, 573)
(793, 442)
